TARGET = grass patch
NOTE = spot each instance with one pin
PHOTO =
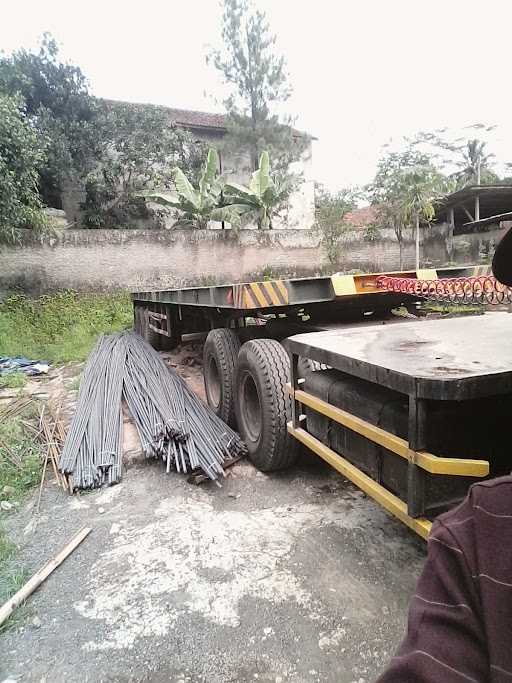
(13, 380)
(452, 309)
(7, 547)
(12, 578)
(62, 327)
(15, 444)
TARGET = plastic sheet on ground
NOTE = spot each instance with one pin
(10, 364)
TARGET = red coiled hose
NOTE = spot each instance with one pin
(458, 290)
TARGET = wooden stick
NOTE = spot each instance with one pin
(11, 460)
(42, 482)
(35, 581)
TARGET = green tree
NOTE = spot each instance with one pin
(469, 156)
(258, 81)
(21, 156)
(420, 187)
(58, 105)
(404, 190)
(476, 165)
(330, 218)
(200, 205)
(141, 147)
(264, 197)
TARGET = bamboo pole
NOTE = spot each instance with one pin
(37, 579)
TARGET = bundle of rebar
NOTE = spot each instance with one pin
(172, 422)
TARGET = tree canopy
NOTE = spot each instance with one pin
(140, 150)
(58, 105)
(22, 152)
(258, 81)
(405, 188)
(330, 218)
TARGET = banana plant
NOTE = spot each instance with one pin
(199, 205)
(262, 199)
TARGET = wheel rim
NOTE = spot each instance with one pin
(214, 387)
(251, 408)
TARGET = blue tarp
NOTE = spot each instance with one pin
(21, 364)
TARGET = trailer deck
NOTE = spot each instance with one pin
(458, 360)
(282, 293)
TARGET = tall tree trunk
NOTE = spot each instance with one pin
(417, 241)
(401, 248)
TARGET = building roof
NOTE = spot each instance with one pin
(490, 193)
(198, 119)
(193, 119)
(490, 220)
(363, 217)
(494, 200)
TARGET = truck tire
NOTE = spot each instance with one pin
(220, 353)
(262, 404)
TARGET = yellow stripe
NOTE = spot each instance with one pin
(248, 302)
(431, 463)
(255, 288)
(426, 274)
(269, 288)
(282, 288)
(390, 502)
(343, 285)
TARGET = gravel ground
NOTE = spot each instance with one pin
(295, 577)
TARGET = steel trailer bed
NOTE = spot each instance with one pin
(455, 374)
(165, 315)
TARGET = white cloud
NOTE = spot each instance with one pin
(364, 71)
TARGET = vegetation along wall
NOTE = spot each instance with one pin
(106, 260)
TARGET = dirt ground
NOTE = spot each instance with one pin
(296, 576)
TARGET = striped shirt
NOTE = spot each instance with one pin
(460, 617)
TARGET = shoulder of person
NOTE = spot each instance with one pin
(484, 514)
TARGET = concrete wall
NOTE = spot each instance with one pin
(138, 259)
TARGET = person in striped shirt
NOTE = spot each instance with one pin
(460, 616)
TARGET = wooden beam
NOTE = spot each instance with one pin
(467, 213)
(35, 581)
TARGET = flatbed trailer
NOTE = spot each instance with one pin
(163, 316)
(412, 413)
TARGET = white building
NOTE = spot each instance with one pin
(211, 128)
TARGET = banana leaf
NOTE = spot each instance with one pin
(241, 193)
(226, 214)
(261, 178)
(186, 189)
(160, 198)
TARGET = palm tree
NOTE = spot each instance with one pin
(475, 164)
(420, 188)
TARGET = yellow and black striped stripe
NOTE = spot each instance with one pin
(260, 294)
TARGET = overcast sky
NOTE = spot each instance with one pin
(364, 72)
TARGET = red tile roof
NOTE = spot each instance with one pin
(190, 118)
(198, 119)
(363, 217)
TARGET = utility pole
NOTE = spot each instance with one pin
(417, 241)
(477, 196)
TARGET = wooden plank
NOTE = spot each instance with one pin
(198, 476)
(37, 579)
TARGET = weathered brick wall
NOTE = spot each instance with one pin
(138, 259)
